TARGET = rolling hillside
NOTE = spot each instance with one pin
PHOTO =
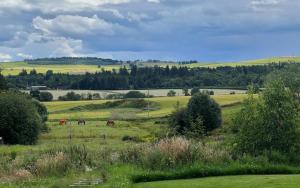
(14, 68)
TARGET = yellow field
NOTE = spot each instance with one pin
(14, 68)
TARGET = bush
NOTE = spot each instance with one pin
(173, 152)
(195, 90)
(203, 114)
(70, 96)
(171, 93)
(43, 112)
(134, 94)
(45, 96)
(268, 124)
(202, 106)
(179, 121)
(20, 122)
(3, 85)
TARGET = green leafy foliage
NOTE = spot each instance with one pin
(45, 96)
(3, 84)
(70, 96)
(171, 93)
(202, 115)
(20, 121)
(204, 107)
(134, 94)
(268, 123)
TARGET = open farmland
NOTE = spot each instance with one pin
(14, 68)
(163, 106)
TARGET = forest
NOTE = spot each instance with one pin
(156, 77)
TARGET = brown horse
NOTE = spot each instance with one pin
(81, 121)
(110, 123)
(63, 122)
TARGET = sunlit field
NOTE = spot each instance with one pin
(14, 68)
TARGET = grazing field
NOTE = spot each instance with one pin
(102, 142)
(163, 106)
(274, 181)
(14, 68)
(152, 92)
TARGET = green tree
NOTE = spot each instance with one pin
(3, 85)
(20, 122)
(134, 94)
(185, 92)
(195, 90)
(268, 123)
(43, 112)
(202, 114)
(201, 105)
(171, 93)
(45, 96)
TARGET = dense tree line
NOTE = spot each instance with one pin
(151, 77)
(73, 60)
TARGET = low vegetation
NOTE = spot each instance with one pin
(206, 135)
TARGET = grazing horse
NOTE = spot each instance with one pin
(81, 121)
(63, 122)
(110, 123)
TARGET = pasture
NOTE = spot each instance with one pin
(152, 92)
(130, 122)
(14, 68)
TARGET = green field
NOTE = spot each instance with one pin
(133, 122)
(274, 181)
(14, 68)
(165, 105)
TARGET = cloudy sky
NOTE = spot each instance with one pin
(205, 30)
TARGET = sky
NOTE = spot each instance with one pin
(203, 30)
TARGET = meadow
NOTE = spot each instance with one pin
(101, 142)
(14, 68)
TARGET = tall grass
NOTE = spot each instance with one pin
(173, 152)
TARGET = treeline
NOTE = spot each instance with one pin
(73, 61)
(151, 77)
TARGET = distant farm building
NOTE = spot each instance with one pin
(37, 88)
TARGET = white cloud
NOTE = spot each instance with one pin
(5, 57)
(25, 56)
(154, 1)
(68, 24)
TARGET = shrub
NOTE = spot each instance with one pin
(70, 96)
(268, 124)
(203, 114)
(171, 93)
(202, 106)
(20, 122)
(179, 121)
(185, 92)
(45, 96)
(3, 85)
(195, 90)
(115, 96)
(134, 94)
(173, 152)
(43, 112)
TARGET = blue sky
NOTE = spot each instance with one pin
(204, 30)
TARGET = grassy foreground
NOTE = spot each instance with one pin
(271, 181)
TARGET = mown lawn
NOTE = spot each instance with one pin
(257, 181)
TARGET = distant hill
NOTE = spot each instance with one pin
(73, 61)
